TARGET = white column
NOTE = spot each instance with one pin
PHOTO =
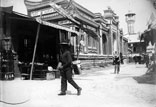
(85, 43)
(111, 36)
(118, 39)
(101, 46)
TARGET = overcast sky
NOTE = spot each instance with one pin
(142, 9)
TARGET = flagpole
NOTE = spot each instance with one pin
(34, 53)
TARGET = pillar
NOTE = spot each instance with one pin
(101, 46)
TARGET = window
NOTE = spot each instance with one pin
(89, 41)
(94, 43)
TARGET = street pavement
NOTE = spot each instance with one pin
(100, 87)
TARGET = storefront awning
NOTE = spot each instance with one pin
(56, 26)
(25, 17)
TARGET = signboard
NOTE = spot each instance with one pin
(44, 12)
(49, 15)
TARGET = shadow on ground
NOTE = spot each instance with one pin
(97, 71)
(93, 73)
(123, 76)
(146, 79)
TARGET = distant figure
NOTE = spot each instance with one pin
(121, 58)
(147, 60)
(152, 58)
(139, 59)
(135, 59)
(66, 70)
(116, 63)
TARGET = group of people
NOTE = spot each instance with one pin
(143, 59)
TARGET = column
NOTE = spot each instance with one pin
(118, 39)
(107, 45)
(85, 43)
(111, 45)
(101, 46)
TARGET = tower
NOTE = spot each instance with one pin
(130, 19)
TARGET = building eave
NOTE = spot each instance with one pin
(31, 6)
(82, 19)
(100, 20)
(81, 8)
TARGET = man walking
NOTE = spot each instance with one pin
(116, 63)
(66, 70)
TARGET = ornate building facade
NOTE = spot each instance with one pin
(99, 36)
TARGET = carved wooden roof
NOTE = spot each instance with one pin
(74, 9)
(34, 5)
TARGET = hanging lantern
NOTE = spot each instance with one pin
(7, 43)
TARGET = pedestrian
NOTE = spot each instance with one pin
(147, 60)
(116, 63)
(121, 58)
(135, 59)
(66, 70)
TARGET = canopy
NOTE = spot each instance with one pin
(149, 36)
(25, 17)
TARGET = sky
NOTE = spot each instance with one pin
(142, 8)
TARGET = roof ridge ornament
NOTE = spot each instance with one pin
(61, 11)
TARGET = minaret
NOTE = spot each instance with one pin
(130, 19)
